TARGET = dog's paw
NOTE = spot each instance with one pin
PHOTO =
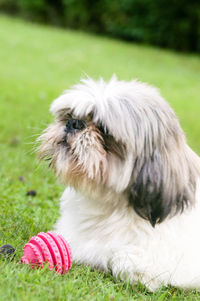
(122, 265)
(129, 267)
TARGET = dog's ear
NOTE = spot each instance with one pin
(163, 184)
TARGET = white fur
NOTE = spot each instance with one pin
(120, 241)
(102, 228)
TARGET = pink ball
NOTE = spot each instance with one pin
(48, 248)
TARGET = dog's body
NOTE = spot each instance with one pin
(115, 239)
(133, 205)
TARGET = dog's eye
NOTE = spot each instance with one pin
(103, 129)
(69, 116)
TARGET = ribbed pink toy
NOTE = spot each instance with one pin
(48, 248)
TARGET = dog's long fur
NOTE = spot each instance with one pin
(132, 202)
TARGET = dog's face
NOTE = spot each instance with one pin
(80, 149)
(121, 137)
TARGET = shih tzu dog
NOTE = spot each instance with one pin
(132, 202)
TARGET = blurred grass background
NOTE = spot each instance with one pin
(172, 24)
(36, 64)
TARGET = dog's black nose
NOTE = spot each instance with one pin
(74, 124)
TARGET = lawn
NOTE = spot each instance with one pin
(36, 64)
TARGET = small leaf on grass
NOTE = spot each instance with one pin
(21, 179)
(32, 193)
(7, 251)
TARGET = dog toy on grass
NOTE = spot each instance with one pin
(48, 248)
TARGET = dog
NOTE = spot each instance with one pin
(132, 200)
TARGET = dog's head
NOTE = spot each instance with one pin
(122, 137)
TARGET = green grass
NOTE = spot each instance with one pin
(36, 64)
